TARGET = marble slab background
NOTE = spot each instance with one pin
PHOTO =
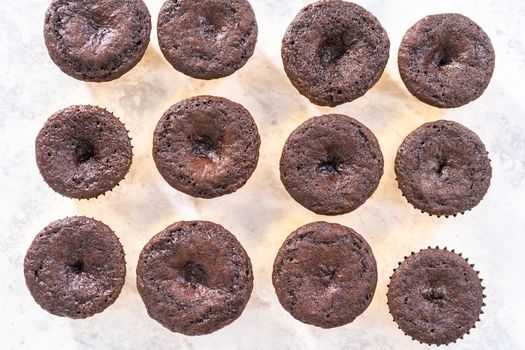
(261, 214)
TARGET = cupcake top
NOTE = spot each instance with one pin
(207, 39)
(97, 40)
(75, 267)
(331, 164)
(194, 277)
(443, 168)
(446, 60)
(325, 274)
(435, 296)
(334, 52)
(206, 146)
(83, 151)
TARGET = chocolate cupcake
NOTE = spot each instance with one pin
(325, 274)
(443, 168)
(207, 39)
(75, 267)
(334, 52)
(194, 277)
(331, 164)
(435, 296)
(83, 151)
(446, 60)
(97, 40)
(206, 146)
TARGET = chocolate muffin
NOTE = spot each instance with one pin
(194, 277)
(75, 267)
(435, 296)
(97, 40)
(443, 168)
(207, 39)
(446, 60)
(334, 52)
(83, 151)
(331, 164)
(325, 274)
(206, 146)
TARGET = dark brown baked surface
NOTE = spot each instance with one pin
(443, 168)
(194, 277)
(325, 274)
(446, 60)
(334, 52)
(83, 151)
(207, 39)
(75, 267)
(97, 40)
(206, 146)
(435, 296)
(331, 164)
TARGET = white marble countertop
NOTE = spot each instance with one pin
(261, 214)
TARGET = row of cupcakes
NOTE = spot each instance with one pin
(208, 146)
(195, 278)
(333, 51)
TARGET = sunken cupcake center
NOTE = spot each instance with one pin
(84, 151)
(194, 273)
(207, 26)
(327, 273)
(333, 48)
(446, 56)
(212, 21)
(77, 267)
(442, 167)
(445, 60)
(97, 24)
(205, 137)
(435, 295)
(330, 166)
(205, 146)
